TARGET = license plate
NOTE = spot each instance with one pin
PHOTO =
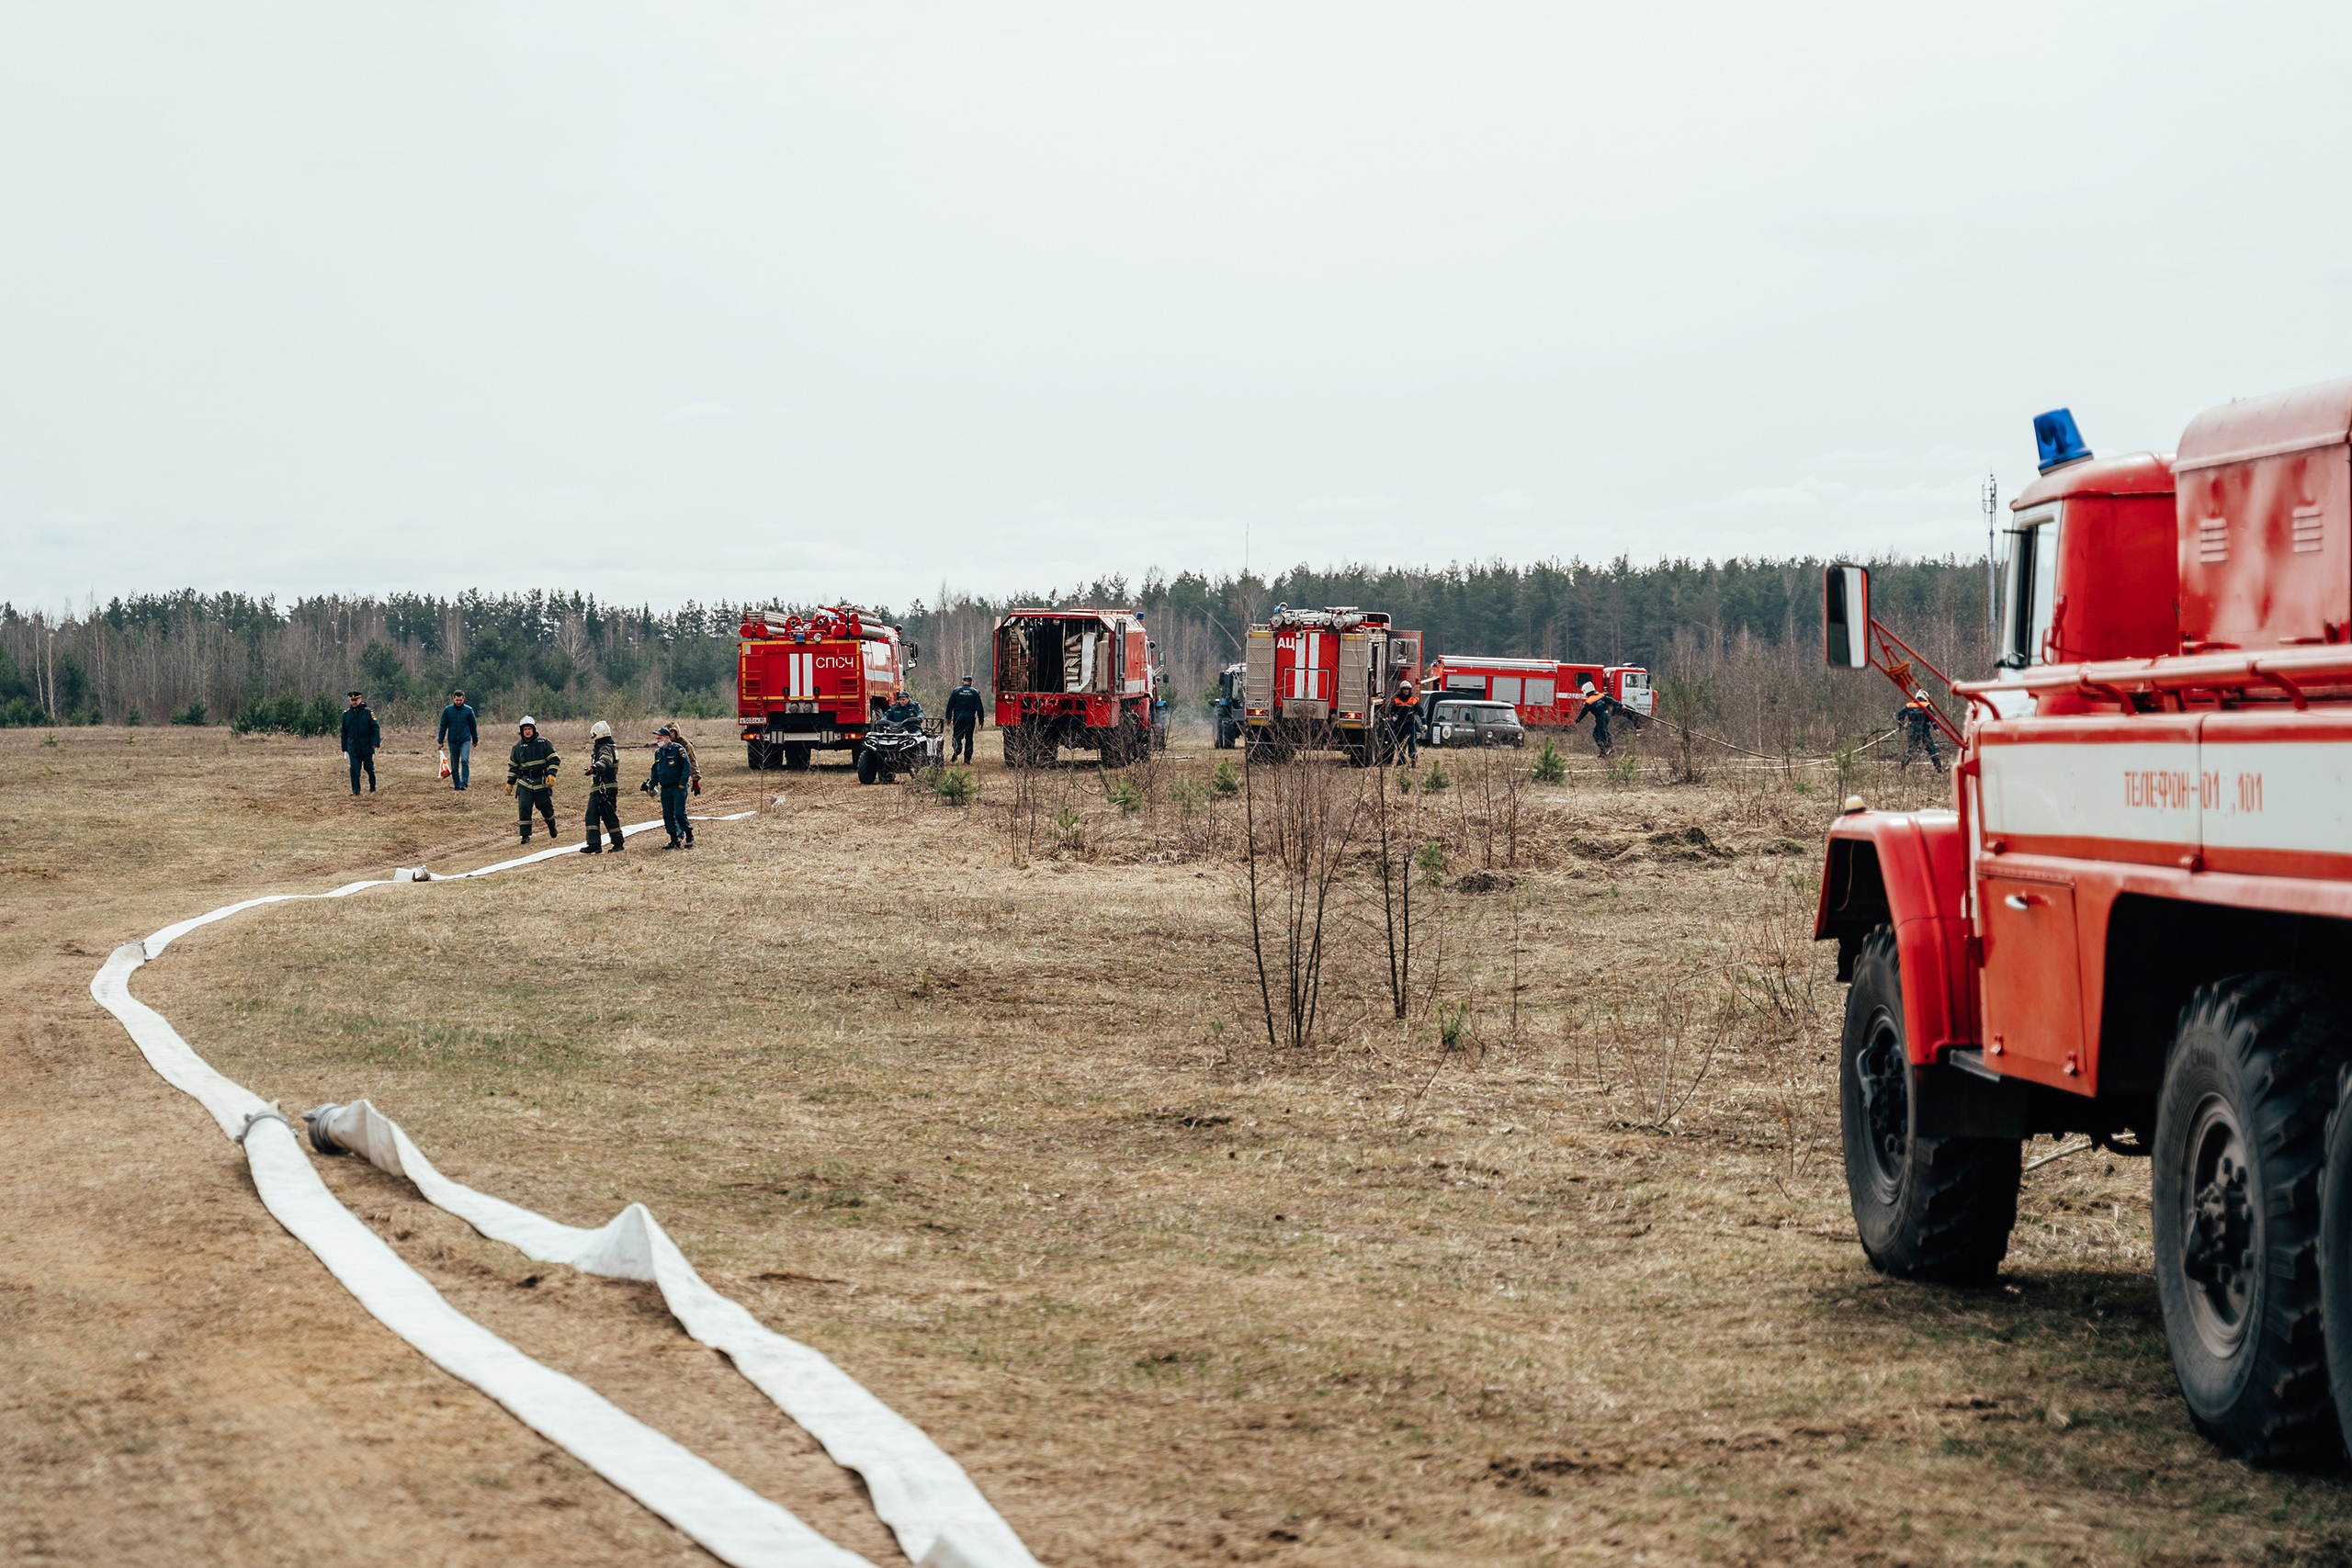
(800, 707)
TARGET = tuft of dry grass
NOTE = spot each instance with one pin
(1557, 1266)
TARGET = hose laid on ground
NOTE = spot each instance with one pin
(939, 1517)
(923, 1496)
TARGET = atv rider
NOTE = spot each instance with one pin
(1918, 718)
(1603, 708)
(904, 709)
(530, 777)
(604, 789)
(673, 769)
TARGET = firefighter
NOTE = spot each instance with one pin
(1405, 721)
(1602, 708)
(1918, 718)
(903, 709)
(604, 789)
(361, 736)
(672, 771)
(963, 712)
(530, 776)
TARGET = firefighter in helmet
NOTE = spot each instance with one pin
(1603, 708)
(604, 789)
(1918, 718)
(530, 776)
(1405, 721)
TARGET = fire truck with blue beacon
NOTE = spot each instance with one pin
(2135, 921)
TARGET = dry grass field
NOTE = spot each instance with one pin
(979, 1101)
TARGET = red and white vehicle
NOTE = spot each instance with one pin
(1325, 679)
(1543, 690)
(813, 681)
(1087, 678)
(2136, 924)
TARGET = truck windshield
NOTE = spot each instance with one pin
(2031, 589)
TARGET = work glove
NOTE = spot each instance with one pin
(694, 785)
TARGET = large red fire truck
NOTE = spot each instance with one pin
(2136, 924)
(1324, 678)
(1088, 679)
(814, 680)
(1543, 690)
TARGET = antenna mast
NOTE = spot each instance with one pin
(1992, 497)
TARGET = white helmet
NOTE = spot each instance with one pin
(527, 722)
(600, 730)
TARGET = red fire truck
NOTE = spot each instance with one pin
(1324, 678)
(814, 680)
(1543, 690)
(1088, 679)
(2136, 922)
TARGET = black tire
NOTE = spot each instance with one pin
(868, 770)
(796, 757)
(755, 752)
(2240, 1141)
(1926, 1208)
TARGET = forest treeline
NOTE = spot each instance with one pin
(1745, 634)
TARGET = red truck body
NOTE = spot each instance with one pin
(1326, 679)
(814, 682)
(1543, 690)
(2150, 836)
(1086, 679)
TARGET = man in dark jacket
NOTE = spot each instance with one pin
(530, 777)
(1602, 707)
(361, 736)
(604, 788)
(963, 712)
(458, 733)
(1405, 722)
(673, 769)
(904, 709)
(1918, 718)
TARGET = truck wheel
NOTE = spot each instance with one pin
(867, 769)
(755, 752)
(1926, 1208)
(2240, 1142)
(796, 757)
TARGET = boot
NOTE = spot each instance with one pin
(618, 841)
(690, 837)
(595, 846)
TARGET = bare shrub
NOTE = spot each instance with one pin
(1300, 825)
(1783, 995)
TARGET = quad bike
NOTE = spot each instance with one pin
(890, 749)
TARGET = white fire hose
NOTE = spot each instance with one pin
(939, 1517)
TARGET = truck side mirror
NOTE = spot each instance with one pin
(1846, 617)
(913, 651)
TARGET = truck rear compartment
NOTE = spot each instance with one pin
(1055, 653)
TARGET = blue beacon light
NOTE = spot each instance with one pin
(2061, 443)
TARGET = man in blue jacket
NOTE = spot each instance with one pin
(672, 771)
(964, 713)
(458, 733)
(361, 736)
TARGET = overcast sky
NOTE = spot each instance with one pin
(793, 301)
